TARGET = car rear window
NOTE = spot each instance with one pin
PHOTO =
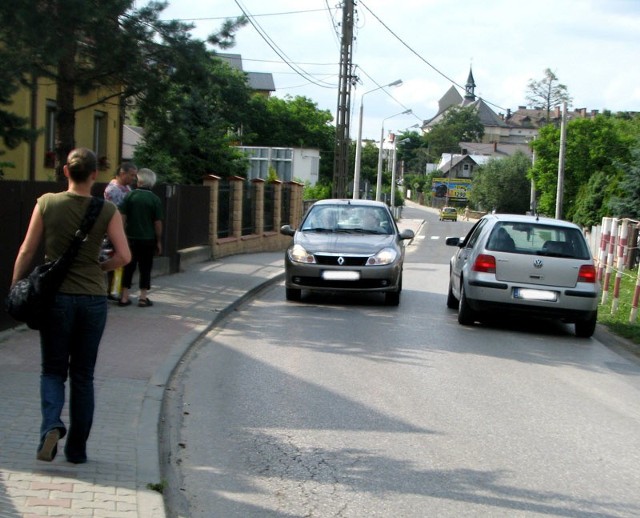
(538, 239)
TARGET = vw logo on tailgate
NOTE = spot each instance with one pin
(538, 263)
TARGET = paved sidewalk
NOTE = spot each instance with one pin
(139, 350)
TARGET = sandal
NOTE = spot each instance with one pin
(123, 303)
(144, 303)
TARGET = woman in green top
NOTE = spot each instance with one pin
(72, 328)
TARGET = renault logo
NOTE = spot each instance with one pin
(340, 260)
(538, 263)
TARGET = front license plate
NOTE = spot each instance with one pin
(531, 294)
(334, 275)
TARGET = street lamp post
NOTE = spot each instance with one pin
(379, 178)
(356, 171)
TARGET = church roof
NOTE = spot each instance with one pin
(452, 97)
(449, 99)
(486, 115)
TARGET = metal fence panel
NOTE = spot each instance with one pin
(269, 207)
(286, 205)
(248, 212)
(224, 210)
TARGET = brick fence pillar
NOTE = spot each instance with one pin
(237, 187)
(296, 201)
(213, 182)
(277, 205)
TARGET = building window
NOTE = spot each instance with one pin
(100, 138)
(50, 135)
(261, 159)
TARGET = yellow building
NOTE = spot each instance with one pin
(98, 126)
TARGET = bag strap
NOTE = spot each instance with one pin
(90, 217)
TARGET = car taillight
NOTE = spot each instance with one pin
(485, 263)
(587, 273)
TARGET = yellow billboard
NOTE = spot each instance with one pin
(452, 188)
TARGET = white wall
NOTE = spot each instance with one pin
(301, 164)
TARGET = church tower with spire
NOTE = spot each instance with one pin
(469, 88)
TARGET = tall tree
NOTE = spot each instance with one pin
(13, 129)
(191, 122)
(626, 202)
(411, 152)
(84, 45)
(595, 148)
(369, 165)
(547, 93)
(460, 124)
(502, 184)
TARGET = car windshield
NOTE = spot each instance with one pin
(348, 218)
(538, 239)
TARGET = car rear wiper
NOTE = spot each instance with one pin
(554, 254)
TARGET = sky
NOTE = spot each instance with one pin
(592, 46)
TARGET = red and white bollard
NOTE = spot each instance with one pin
(622, 245)
(609, 260)
(604, 241)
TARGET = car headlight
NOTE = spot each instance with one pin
(298, 254)
(384, 256)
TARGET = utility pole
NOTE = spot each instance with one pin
(532, 194)
(340, 164)
(563, 145)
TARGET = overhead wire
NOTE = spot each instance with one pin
(334, 24)
(384, 89)
(279, 51)
(209, 18)
(419, 56)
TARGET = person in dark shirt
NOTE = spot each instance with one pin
(142, 213)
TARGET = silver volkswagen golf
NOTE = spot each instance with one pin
(524, 264)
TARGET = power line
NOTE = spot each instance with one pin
(212, 18)
(389, 93)
(296, 63)
(434, 68)
(334, 24)
(277, 49)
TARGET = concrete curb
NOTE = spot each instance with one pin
(150, 502)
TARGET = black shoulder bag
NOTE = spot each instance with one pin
(30, 297)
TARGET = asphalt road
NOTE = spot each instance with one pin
(342, 406)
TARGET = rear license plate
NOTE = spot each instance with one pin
(335, 275)
(531, 294)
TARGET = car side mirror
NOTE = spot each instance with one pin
(407, 233)
(287, 230)
(454, 241)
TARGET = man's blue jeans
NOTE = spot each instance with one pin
(69, 340)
